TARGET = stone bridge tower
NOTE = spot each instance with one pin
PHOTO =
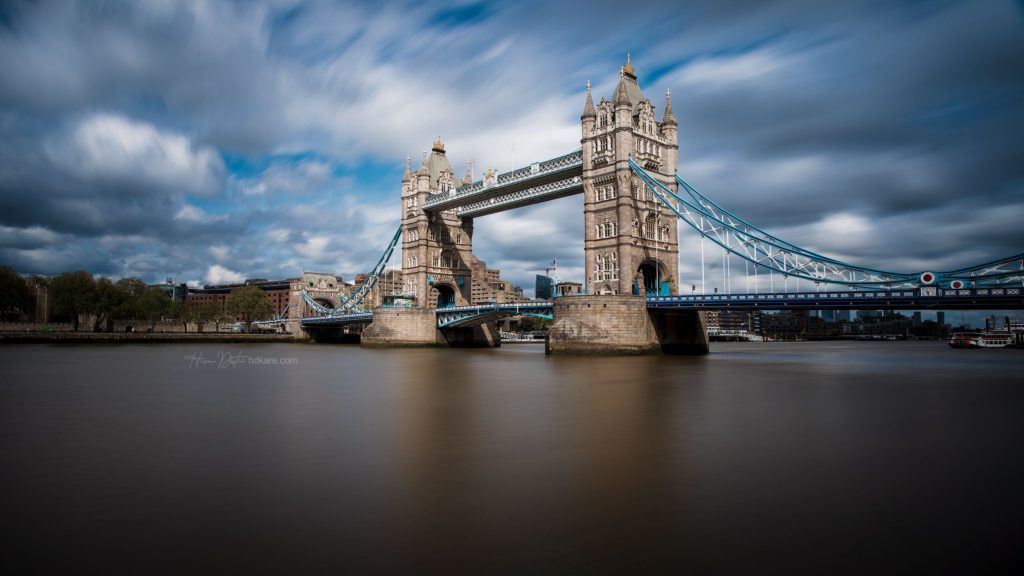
(630, 238)
(436, 247)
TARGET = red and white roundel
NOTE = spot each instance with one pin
(956, 284)
(927, 278)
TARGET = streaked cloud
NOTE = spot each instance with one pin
(227, 140)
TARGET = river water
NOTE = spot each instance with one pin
(837, 458)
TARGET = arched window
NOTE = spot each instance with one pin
(649, 227)
(607, 267)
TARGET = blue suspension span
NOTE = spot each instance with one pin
(763, 249)
(1005, 265)
(354, 302)
(711, 208)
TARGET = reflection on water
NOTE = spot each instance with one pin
(808, 457)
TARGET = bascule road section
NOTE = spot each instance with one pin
(633, 199)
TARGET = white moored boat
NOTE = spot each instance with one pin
(981, 340)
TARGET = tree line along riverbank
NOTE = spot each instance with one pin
(136, 337)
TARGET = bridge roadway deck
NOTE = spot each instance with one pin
(927, 298)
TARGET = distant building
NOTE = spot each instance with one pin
(489, 287)
(483, 280)
(543, 287)
(176, 292)
(389, 283)
(279, 292)
(1003, 324)
(732, 321)
(568, 288)
(503, 292)
(792, 325)
(41, 311)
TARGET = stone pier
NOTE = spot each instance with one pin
(622, 325)
(410, 327)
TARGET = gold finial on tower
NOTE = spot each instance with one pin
(628, 68)
(438, 145)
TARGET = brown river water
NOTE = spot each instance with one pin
(795, 458)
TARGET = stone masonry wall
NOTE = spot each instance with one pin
(606, 324)
(622, 325)
(403, 327)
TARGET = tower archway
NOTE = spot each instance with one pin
(650, 275)
(445, 296)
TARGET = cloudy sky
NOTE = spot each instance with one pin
(215, 141)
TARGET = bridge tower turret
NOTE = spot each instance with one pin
(630, 239)
(436, 246)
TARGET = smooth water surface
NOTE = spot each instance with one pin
(824, 458)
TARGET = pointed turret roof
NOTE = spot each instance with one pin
(408, 175)
(669, 119)
(588, 107)
(437, 162)
(621, 96)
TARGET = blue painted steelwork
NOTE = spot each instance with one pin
(762, 249)
(461, 316)
(922, 298)
(997, 272)
(338, 320)
(451, 317)
(279, 319)
(354, 302)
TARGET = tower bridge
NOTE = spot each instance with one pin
(633, 199)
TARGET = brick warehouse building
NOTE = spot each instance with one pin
(279, 292)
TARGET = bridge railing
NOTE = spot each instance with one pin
(468, 315)
(536, 170)
(350, 318)
(523, 196)
(931, 296)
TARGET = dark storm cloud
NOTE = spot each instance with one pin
(886, 133)
(909, 118)
(199, 65)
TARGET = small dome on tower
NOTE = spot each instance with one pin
(438, 146)
(628, 68)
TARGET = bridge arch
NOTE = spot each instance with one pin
(325, 302)
(443, 295)
(650, 274)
